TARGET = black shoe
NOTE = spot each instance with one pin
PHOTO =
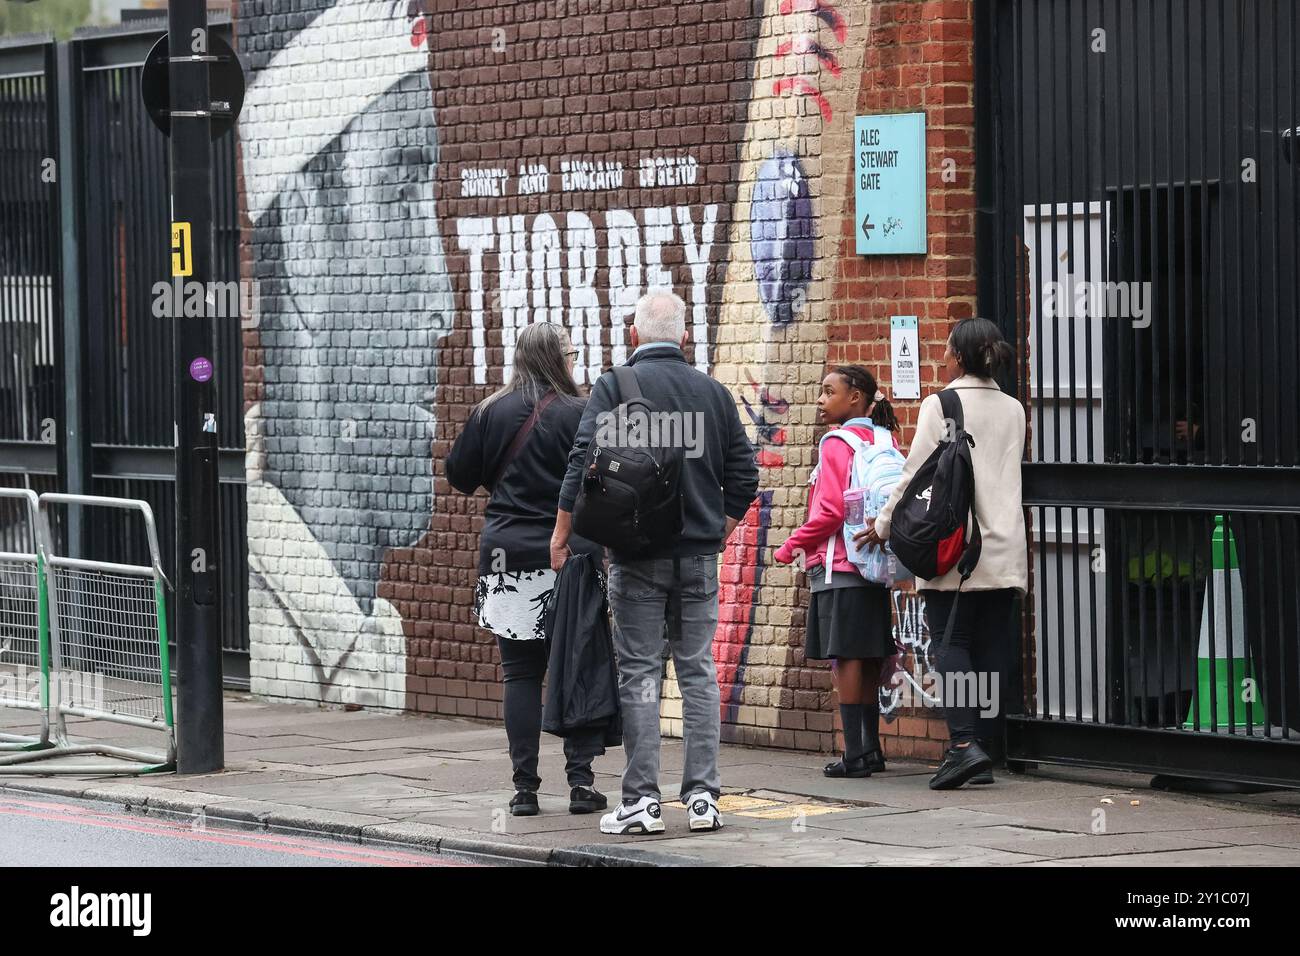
(586, 800)
(875, 761)
(523, 804)
(982, 778)
(959, 765)
(857, 767)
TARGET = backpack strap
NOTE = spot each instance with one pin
(953, 410)
(627, 386)
(521, 436)
(856, 444)
(950, 402)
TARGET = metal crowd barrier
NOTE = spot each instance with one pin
(24, 626)
(108, 658)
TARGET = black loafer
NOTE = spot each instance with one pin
(982, 779)
(875, 761)
(857, 767)
(523, 804)
(959, 765)
(586, 800)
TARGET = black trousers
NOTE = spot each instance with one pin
(977, 657)
(523, 664)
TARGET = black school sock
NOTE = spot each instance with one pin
(851, 718)
(871, 727)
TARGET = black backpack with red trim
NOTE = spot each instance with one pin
(929, 530)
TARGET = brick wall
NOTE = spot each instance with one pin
(920, 57)
(417, 186)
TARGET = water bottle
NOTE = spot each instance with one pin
(854, 521)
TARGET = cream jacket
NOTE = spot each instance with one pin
(997, 423)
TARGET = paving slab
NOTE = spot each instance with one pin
(445, 783)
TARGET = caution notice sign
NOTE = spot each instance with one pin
(905, 347)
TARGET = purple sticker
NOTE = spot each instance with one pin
(200, 369)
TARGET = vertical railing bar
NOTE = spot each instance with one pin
(136, 344)
(1257, 317)
(21, 282)
(1221, 326)
(1038, 398)
(1053, 191)
(1073, 193)
(1199, 451)
(1265, 632)
(17, 291)
(1022, 298)
(52, 259)
(1295, 297)
(157, 175)
(6, 174)
(1124, 444)
(1095, 454)
(1171, 232)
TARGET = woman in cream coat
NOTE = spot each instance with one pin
(988, 612)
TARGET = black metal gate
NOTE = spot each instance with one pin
(85, 382)
(1139, 238)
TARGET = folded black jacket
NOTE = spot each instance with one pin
(582, 678)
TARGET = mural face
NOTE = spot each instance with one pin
(807, 76)
(350, 351)
(339, 147)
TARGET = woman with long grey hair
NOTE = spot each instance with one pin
(516, 447)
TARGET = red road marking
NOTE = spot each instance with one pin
(277, 843)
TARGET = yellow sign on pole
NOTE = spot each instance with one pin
(182, 261)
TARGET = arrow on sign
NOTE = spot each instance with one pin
(867, 226)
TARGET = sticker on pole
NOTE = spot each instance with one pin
(904, 349)
(201, 369)
(182, 250)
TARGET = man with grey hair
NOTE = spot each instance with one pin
(674, 589)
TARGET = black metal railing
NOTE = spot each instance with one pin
(1139, 240)
(115, 210)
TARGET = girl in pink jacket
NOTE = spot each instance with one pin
(849, 619)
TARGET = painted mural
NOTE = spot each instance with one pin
(421, 184)
(338, 170)
(807, 76)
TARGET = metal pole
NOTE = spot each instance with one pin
(74, 444)
(198, 605)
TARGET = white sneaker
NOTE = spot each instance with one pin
(644, 816)
(702, 810)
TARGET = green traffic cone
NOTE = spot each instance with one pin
(1223, 679)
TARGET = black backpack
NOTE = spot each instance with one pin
(928, 532)
(630, 499)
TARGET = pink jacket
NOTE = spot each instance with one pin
(826, 508)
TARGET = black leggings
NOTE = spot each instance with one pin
(523, 664)
(981, 644)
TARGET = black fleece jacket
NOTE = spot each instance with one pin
(520, 514)
(718, 484)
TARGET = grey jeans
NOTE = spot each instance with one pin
(640, 595)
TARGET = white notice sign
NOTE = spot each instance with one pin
(904, 349)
